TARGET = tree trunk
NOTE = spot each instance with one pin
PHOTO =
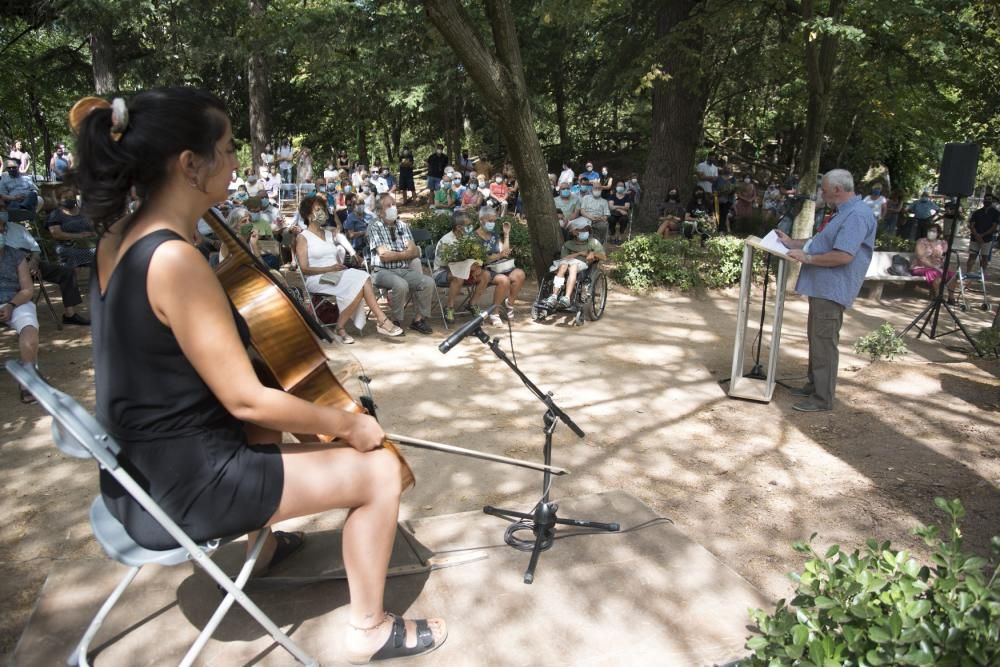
(820, 56)
(499, 77)
(102, 56)
(260, 91)
(679, 102)
(43, 129)
(363, 143)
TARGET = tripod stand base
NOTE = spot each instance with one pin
(542, 523)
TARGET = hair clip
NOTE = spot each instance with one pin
(119, 118)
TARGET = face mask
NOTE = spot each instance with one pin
(674, 196)
(876, 192)
(347, 188)
(69, 203)
(620, 189)
(320, 217)
(590, 167)
(482, 184)
(391, 214)
(446, 184)
(585, 189)
(932, 236)
(583, 236)
(456, 184)
(489, 226)
(564, 193)
(634, 181)
(604, 171)
(366, 189)
(12, 172)
(746, 180)
(322, 188)
(498, 180)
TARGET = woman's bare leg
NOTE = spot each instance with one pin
(501, 285)
(517, 278)
(368, 293)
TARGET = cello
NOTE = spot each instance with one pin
(287, 352)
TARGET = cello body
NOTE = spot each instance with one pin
(285, 338)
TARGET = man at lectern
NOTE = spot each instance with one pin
(834, 263)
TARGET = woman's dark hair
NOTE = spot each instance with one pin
(306, 208)
(162, 123)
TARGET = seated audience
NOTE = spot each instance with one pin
(17, 310)
(672, 214)
(450, 275)
(322, 253)
(504, 276)
(928, 262)
(619, 204)
(356, 225)
(595, 208)
(17, 237)
(472, 198)
(241, 195)
(16, 190)
(73, 233)
(392, 251)
(444, 196)
(578, 253)
(567, 206)
(498, 194)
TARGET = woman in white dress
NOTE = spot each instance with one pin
(321, 254)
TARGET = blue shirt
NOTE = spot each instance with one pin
(357, 224)
(590, 176)
(850, 230)
(924, 210)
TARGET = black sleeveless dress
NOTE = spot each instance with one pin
(178, 441)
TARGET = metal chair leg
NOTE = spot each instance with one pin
(48, 302)
(79, 656)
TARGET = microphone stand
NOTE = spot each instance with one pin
(542, 519)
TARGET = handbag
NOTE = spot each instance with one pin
(900, 266)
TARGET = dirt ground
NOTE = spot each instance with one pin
(744, 479)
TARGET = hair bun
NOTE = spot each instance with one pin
(119, 118)
(82, 108)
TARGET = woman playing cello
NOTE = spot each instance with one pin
(175, 384)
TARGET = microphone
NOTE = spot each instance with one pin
(467, 328)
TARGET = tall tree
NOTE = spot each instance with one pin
(498, 74)
(258, 79)
(679, 99)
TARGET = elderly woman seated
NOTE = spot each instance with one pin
(929, 262)
(73, 233)
(17, 310)
(321, 253)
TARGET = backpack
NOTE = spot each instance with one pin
(900, 266)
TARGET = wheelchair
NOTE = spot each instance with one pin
(590, 296)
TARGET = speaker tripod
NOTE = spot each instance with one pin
(542, 519)
(932, 311)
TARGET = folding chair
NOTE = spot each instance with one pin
(423, 240)
(79, 435)
(313, 299)
(48, 302)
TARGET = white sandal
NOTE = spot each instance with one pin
(387, 328)
(344, 337)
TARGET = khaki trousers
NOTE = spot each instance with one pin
(823, 331)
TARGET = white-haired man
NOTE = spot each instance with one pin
(834, 263)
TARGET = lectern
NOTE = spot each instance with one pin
(759, 386)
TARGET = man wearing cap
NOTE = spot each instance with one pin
(834, 263)
(924, 214)
(578, 253)
(19, 192)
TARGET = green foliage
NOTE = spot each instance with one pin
(648, 261)
(988, 341)
(882, 607)
(520, 243)
(438, 223)
(883, 343)
(893, 243)
(467, 247)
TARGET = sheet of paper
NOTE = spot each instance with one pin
(772, 244)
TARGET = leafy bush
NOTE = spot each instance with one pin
(438, 223)
(881, 343)
(882, 607)
(520, 243)
(892, 243)
(467, 247)
(988, 341)
(649, 261)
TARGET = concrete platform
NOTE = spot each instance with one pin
(647, 596)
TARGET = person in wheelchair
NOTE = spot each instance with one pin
(579, 253)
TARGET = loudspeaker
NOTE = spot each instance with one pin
(958, 170)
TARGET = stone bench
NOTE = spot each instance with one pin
(878, 272)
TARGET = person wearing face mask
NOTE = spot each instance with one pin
(928, 262)
(379, 181)
(444, 197)
(698, 209)
(595, 208)
(356, 225)
(567, 205)
(834, 263)
(17, 237)
(458, 274)
(707, 172)
(436, 163)
(17, 310)
(322, 253)
(406, 186)
(74, 234)
(578, 253)
(620, 207)
(392, 254)
(607, 183)
(877, 203)
(498, 194)
(60, 163)
(923, 213)
(472, 198)
(589, 173)
(17, 191)
(672, 214)
(504, 276)
(456, 188)
(634, 189)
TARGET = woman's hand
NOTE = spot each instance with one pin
(506, 227)
(364, 433)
